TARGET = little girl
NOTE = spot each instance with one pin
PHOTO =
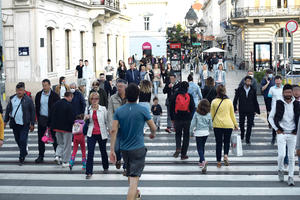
(201, 125)
(78, 138)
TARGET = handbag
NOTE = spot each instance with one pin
(12, 122)
(47, 138)
(86, 125)
(217, 109)
(236, 145)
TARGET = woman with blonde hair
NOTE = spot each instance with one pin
(224, 121)
(97, 133)
(145, 94)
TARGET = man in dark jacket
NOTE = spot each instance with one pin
(78, 102)
(182, 108)
(246, 97)
(44, 100)
(133, 75)
(170, 89)
(62, 119)
(21, 116)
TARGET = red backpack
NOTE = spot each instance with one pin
(182, 102)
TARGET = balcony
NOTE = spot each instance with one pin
(265, 12)
(109, 4)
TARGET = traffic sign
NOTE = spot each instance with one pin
(196, 44)
(291, 26)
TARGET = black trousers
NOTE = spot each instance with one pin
(250, 119)
(222, 135)
(182, 127)
(41, 144)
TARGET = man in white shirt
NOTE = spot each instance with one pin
(275, 93)
(284, 119)
(87, 75)
(109, 69)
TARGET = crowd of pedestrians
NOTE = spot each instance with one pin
(121, 101)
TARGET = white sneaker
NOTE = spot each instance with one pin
(57, 160)
(65, 165)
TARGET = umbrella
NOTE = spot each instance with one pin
(214, 50)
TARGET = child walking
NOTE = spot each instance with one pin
(201, 125)
(157, 112)
(78, 139)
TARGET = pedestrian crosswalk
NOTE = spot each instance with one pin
(253, 175)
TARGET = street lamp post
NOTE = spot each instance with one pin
(202, 26)
(191, 20)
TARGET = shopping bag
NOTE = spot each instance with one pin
(236, 145)
(47, 138)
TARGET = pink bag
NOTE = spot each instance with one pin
(47, 138)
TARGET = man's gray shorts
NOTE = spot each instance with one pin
(134, 161)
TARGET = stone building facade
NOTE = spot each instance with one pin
(46, 38)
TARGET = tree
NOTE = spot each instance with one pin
(177, 34)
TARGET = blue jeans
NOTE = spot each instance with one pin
(299, 161)
(91, 143)
(156, 85)
(201, 147)
(21, 137)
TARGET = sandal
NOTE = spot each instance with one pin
(138, 195)
(219, 165)
(226, 163)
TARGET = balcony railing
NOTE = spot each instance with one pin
(265, 12)
(114, 4)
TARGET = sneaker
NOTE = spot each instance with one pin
(57, 160)
(118, 164)
(65, 165)
(280, 176)
(138, 195)
(204, 169)
(291, 181)
(88, 176)
(83, 164)
(71, 163)
(21, 161)
(39, 160)
(168, 130)
(226, 162)
(184, 157)
(176, 154)
(201, 164)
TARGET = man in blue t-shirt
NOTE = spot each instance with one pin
(129, 121)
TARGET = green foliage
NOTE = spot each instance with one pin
(179, 35)
(259, 76)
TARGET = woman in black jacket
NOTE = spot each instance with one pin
(103, 101)
(121, 71)
(209, 90)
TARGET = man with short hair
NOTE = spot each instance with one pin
(44, 101)
(170, 89)
(109, 69)
(246, 98)
(62, 119)
(133, 75)
(116, 101)
(275, 93)
(102, 80)
(78, 73)
(284, 118)
(129, 121)
(21, 116)
(87, 75)
(253, 82)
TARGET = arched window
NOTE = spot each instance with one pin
(50, 47)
